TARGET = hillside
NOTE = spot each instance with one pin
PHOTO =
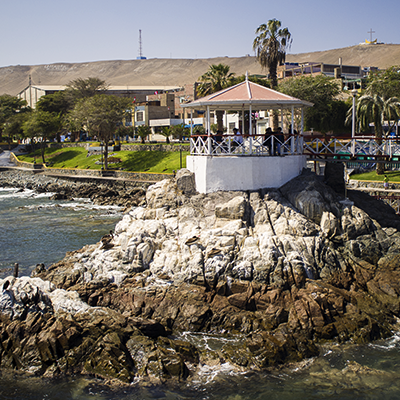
(179, 71)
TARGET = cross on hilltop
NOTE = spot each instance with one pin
(370, 34)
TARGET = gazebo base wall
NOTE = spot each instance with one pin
(243, 173)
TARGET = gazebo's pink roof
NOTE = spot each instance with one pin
(246, 94)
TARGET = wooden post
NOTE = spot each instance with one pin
(16, 267)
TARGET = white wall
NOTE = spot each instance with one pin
(243, 173)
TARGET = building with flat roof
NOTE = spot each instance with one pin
(33, 93)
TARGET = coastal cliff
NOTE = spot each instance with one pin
(271, 274)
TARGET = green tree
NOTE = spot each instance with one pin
(375, 109)
(270, 46)
(43, 125)
(13, 127)
(84, 88)
(385, 83)
(101, 114)
(252, 78)
(199, 130)
(73, 125)
(9, 107)
(143, 131)
(215, 79)
(124, 131)
(166, 131)
(179, 131)
(57, 103)
(328, 113)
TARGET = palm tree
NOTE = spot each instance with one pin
(166, 132)
(270, 46)
(215, 79)
(143, 131)
(376, 109)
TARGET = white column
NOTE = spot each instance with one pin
(302, 122)
(353, 122)
(250, 132)
(209, 131)
(292, 138)
(302, 130)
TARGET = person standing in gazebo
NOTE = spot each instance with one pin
(279, 140)
(238, 138)
(268, 140)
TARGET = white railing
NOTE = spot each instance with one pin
(362, 146)
(313, 147)
(253, 145)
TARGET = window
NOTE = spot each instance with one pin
(139, 116)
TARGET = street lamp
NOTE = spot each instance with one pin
(180, 152)
(354, 93)
(101, 147)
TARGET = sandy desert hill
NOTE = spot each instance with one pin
(180, 71)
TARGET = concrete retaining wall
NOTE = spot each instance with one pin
(243, 173)
(141, 176)
(156, 147)
(128, 147)
(355, 184)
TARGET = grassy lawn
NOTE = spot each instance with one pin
(135, 161)
(394, 176)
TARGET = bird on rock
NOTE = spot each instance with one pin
(106, 241)
(213, 252)
(191, 240)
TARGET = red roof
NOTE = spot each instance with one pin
(246, 94)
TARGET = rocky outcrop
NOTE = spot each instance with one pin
(121, 193)
(279, 270)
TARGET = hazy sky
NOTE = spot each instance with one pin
(50, 31)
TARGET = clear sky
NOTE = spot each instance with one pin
(50, 31)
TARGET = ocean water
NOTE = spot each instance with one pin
(34, 229)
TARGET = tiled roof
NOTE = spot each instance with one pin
(245, 94)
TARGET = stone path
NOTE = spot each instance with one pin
(5, 159)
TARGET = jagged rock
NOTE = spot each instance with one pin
(59, 196)
(285, 268)
(235, 208)
(185, 181)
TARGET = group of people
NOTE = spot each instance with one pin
(274, 145)
(274, 141)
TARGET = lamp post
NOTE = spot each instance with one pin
(354, 93)
(101, 146)
(180, 152)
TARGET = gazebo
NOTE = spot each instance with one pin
(224, 162)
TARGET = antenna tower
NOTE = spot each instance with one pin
(140, 44)
(141, 57)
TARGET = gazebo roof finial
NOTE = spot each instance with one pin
(247, 75)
